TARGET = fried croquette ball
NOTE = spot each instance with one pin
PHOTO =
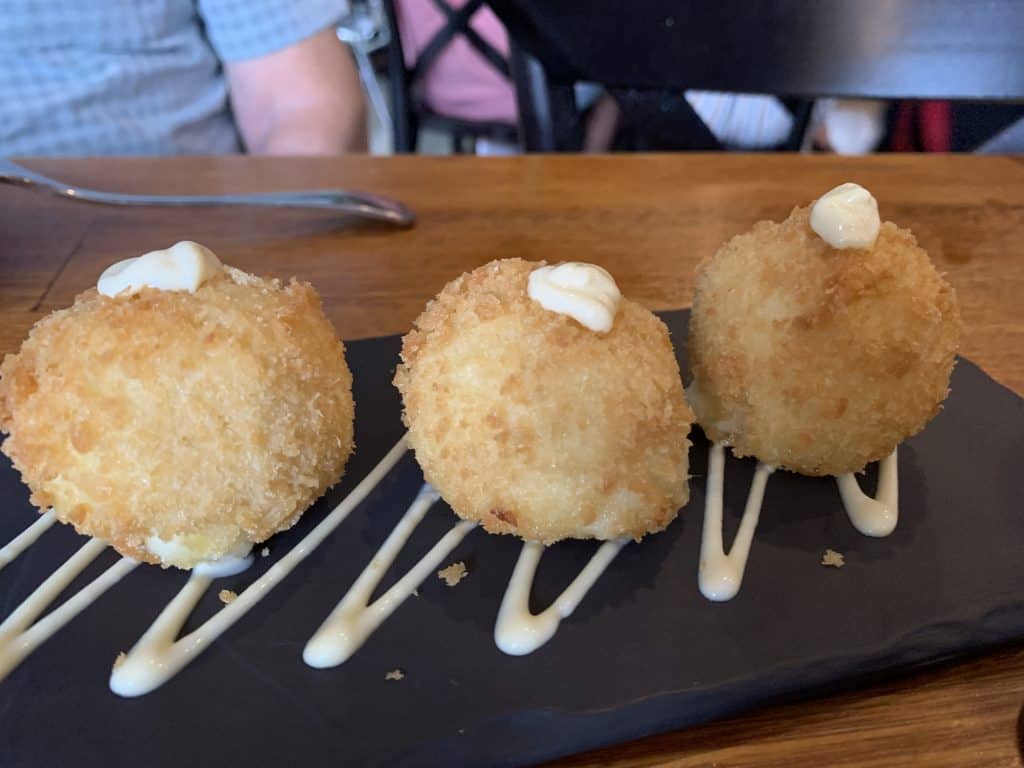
(181, 426)
(532, 424)
(818, 359)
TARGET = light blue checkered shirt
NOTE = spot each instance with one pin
(135, 77)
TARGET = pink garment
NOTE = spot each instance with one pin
(460, 83)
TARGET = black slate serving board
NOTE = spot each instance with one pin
(643, 653)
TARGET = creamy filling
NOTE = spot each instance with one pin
(234, 561)
(846, 217)
(707, 410)
(183, 267)
(177, 551)
(584, 292)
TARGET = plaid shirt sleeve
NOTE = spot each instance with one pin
(248, 29)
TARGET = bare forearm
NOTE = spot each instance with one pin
(323, 130)
(305, 100)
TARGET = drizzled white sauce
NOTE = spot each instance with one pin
(20, 633)
(158, 656)
(160, 653)
(183, 267)
(873, 517)
(720, 575)
(26, 538)
(354, 619)
(585, 292)
(518, 632)
(846, 217)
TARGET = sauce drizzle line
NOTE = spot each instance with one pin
(19, 636)
(720, 575)
(873, 516)
(518, 632)
(26, 538)
(354, 619)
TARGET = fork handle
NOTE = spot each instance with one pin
(342, 201)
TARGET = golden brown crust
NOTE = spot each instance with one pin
(815, 359)
(212, 416)
(534, 425)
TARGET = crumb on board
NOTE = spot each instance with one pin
(833, 559)
(265, 552)
(415, 593)
(120, 659)
(394, 674)
(227, 596)
(453, 574)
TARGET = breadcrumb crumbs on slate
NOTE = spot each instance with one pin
(394, 674)
(453, 574)
(833, 559)
(227, 596)
(265, 552)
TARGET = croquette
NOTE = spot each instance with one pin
(178, 426)
(534, 425)
(814, 359)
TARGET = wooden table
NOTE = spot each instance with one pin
(648, 219)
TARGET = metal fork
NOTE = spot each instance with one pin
(339, 200)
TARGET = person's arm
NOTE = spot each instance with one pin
(305, 99)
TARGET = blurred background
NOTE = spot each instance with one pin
(508, 76)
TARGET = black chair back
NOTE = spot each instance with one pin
(647, 53)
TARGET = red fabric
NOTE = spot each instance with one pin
(925, 126)
(936, 125)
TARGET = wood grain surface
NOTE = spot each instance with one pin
(649, 219)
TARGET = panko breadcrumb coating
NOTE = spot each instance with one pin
(534, 425)
(815, 359)
(205, 419)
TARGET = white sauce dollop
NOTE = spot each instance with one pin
(846, 217)
(183, 267)
(584, 292)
